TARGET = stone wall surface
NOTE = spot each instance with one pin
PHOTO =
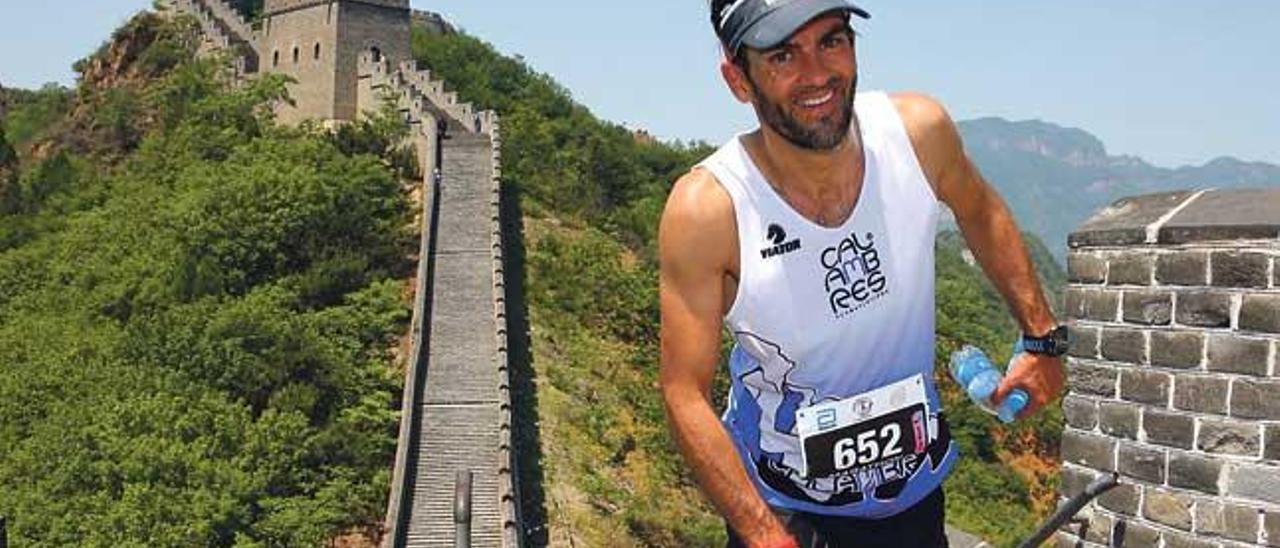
(1174, 312)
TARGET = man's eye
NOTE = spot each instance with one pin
(836, 41)
(779, 57)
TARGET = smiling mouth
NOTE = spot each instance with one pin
(817, 101)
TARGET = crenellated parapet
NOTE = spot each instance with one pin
(223, 29)
(421, 96)
(272, 7)
(1174, 379)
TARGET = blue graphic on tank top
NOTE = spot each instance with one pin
(761, 417)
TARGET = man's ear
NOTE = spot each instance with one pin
(736, 79)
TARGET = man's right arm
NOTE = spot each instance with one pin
(697, 243)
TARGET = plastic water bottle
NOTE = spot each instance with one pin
(974, 371)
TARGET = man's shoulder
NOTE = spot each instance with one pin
(920, 113)
(700, 199)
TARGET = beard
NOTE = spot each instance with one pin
(825, 133)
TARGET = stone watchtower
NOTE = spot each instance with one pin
(1174, 305)
(319, 42)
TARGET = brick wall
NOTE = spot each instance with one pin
(1174, 310)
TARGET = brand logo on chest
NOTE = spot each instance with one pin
(778, 237)
(853, 276)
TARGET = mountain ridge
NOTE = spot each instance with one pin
(1055, 177)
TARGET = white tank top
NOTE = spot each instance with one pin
(823, 314)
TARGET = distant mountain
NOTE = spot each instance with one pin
(1055, 177)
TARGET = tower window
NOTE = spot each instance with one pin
(317, 51)
(295, 55)
(275, 58)
(377, 55)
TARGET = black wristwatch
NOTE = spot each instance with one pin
(1054, 343)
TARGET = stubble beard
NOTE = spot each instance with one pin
(827, 133)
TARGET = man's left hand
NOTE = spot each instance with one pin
(1042, 376)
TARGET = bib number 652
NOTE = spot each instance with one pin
(868, 446)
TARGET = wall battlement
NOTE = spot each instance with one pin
(272, 7)
(1174, 312)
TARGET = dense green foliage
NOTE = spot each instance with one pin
(592, 193)
(32, 111)
(195, 341)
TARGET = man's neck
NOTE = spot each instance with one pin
(820, 184)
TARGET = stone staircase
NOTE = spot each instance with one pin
(224, 29)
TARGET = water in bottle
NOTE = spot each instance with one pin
(971, 368)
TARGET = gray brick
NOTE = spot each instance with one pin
(1183, 268)
(1200, 393)
(1252, 399)
(1179, 540)
(1271, 442)
(1168, 429)
(1181, 350)
(1080, 412)
(1084, 341)
(1240, 522)
(1098, 528)
(1131, 269)
(1074, 480)
(1260, 313)
(1191, 471)
(1148, 307)
(1122, 498)
(1134, 534)
(1238, 269)
(1092, 304)
(1145, 386)
(1228, 437)
(1097, 452)
(1208, 517)
(1098, 380)
(1144, 463)
(1255, 482)
(1167, 508)
(1119, 419)
(1086, 268)
(1203, 309)
(1271, 528)
(1233, 354)
(1224, 519)
(1064, 540)
(1123, 345)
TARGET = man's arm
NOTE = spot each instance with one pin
(697, 242)
(992, 236)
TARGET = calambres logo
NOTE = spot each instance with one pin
(853, 277)
(778, 236)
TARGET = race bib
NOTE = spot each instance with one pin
(880, 434)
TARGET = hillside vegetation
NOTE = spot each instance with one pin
(592, 193)
(197, 310)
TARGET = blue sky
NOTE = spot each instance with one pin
(1175, 82)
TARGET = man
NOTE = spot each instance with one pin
(811, 239)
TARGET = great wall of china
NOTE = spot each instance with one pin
(1174, 310)
(347, 57)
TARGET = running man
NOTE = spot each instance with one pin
(811, 239)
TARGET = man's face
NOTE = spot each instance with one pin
(803, 88)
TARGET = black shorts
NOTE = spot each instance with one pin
(922, 525)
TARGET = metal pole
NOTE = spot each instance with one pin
(1069, 510)
(461, 510)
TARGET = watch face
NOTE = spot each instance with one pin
(1060, 340)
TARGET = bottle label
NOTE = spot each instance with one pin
(876, 437)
